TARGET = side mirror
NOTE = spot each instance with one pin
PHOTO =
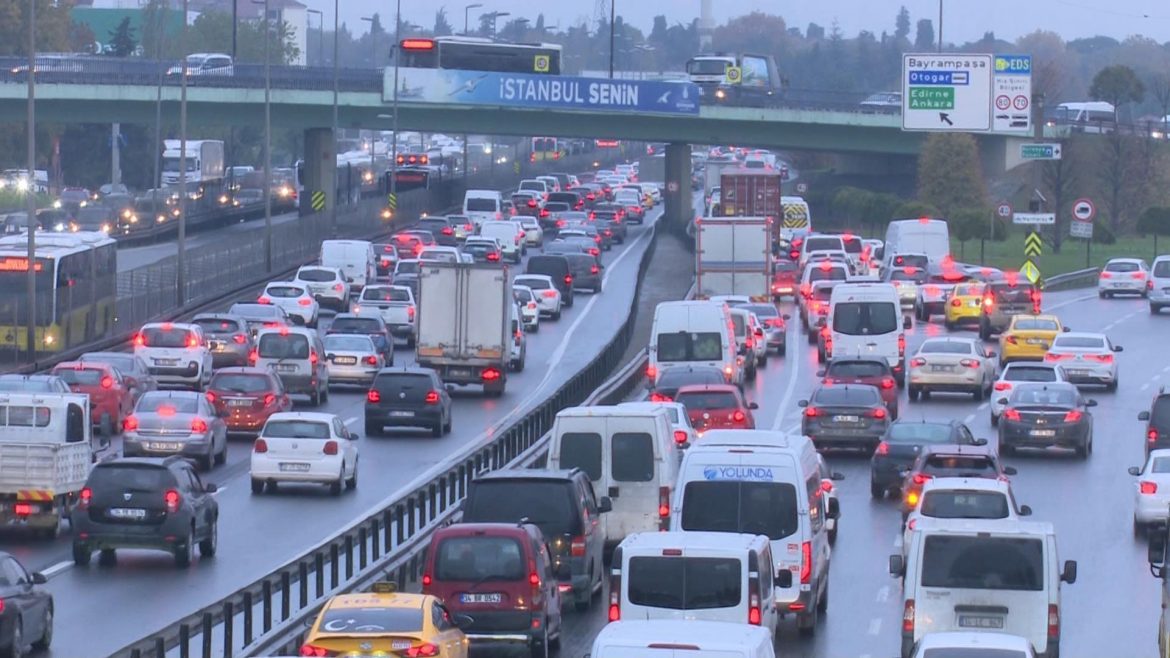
(907, 323)
(802, 403)
(784, 579)
(462, 621)
(1145, 415)
(38, 578)
(210, 488)
(978, 442)
(753, 405)
(1066, 329)
(450, 388)
(1002, 401)
(897, 565)
(1069, 574)
(1025, 510)
(1134, 470)
(834, 511)
(1090, 403)
(1118, 348)
(820, 373)
(605, 505)
(1010, 470)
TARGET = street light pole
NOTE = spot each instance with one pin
(235, 26)
(612, 18)
(466, 12)
(321, 40)
(267, 142)
(333, 208)
(181, 274)
(31, 326)
(394, 127)
(940, 25)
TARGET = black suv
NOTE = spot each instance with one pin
(557, 267)
(562, 504)
(439, 227)
(1157, 421)
(145, 503)
(408, 397)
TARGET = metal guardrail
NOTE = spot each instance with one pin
(1070, 280)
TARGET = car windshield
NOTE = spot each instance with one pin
(1044, 396)
(1030, 374)
(944, 347)
(865, 318)
(316, 274)
(545, 503)
(355, 326)
(858, 369)
(694, 400)
(534, 284)
(240, 383)
(216, 325)
(164, 337)
(343, 343)
(257, 311)
(684, 583)
(853, 396)
(1122, 266)
(677, 377)
(283, 346)
(766, 508)
(919, 433)
(684, 346)
(165, 404)
(1034, 324)
(522, 295)
(405, 267)
(951, 562)
(1078, 342)
(123, 362)
(479, 558)
(80, 376)
(142, 478)
(284, 292)
(379, 619)
(968, 291)
(296, 429)
(944, 465)
(944, 504)
(385, 294)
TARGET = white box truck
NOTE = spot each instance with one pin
(204, 161)
(734, 257)
(465, 323)
(46, 453)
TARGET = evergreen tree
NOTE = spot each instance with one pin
(442, 25)
(122, 41)
(902, 24)
(924, 36)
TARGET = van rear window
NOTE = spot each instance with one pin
(164, 337)
(480, 204)
(865, 318)
(478, 559)
(277, 346)
(683, 346)
(1160, 413)
(684, 583)
(994, 563)
(632, 455)
(546, 503)
(764, 508)
(943, 504)
(822, 244)
(1162, 269)
(582, 450)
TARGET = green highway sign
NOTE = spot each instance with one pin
(926, 98)
(1039, 151)
(947, 92)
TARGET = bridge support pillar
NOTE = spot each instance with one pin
(679, 206)
(320, 172)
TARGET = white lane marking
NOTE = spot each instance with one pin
(1109, 326)
(898, 540)
(351, 420)
(883, 594)
(875, 626)
(970, 418)
(1070, 302)
(782, 410)
(56, 569)
(983, 406)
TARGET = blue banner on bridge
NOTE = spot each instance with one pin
(443, 86)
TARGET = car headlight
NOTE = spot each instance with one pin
(59, 227)
(57, 204)
(105, 228)
(719, 93)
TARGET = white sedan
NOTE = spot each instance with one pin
(1086, 358)
(1151, 490)
(302, 447)
(533, 233)
(529, 307)
(953, 365)
(548, 297)
(294, 298)
(1123, 276)
(1020, 372)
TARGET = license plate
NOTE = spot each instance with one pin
(402, 414)
(1119, 285)
(845, 419)
(294, 468)
(1078, 373)
(460, 372)
(1042, 433)
(286, 367)
(980, 621)
(345, 360)
(1037, 341)
(398, 645)
(166, 362)
(163, 445)
(215, 344)
(481, 598)
(942, 368)
(239, 403)
(126, 513)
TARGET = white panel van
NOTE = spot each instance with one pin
(998, 575)
(355, 259)
(865, 319)
(682, 639)
(482, 205)
(917, 236)
(629, 454)
(694, 333)
(769, 483)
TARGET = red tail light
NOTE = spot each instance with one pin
(534, 579)
(198, 425)
(969, 363)
(304, 301)
(805, 562)
(1073, 416)
(309, 649)
(543, 213)
(420, 651)
(908, 617)
(658, 397)
(664, 501)
(269, 399)
(129, 424)
(549, 293)
(882, 449)
(754, 616)
(1106, 275)
(469, 227)
(493, 256)
(680, 437)
(1152, 435)
(313, 357)
(1053, 357)
(879, 413)
(1136, 275)
(922, 478)
(107, 382)
(988, 301)
(373, 395)
(330, 448)
(1053, 622)
(1011, 340)
(252, 356)
(615, 611)
(577, 546)
(239, 339)
(260, 446)
(427, 580)
(1003, 386)
(901, 344)
(139, 340)
(1101, 358)
(84, 497)
(568, 279)
(1011, 414)
(490, 374)
(211, 397)
(956, 302)
(1148, 488)
(172, 500)
(410, 313)
(532, 203)
(447, 230)
(917, 362)
(371, 360)
(432, 397)
(738, 416)
(264, 299)
(887, 383)
(812, 412)
(594, 269)
(1149, 284)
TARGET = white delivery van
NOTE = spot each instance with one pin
(917, 236)
(819, 243)
(769, 483)
(865, 319)
(983, 575)
(693, 333)
(712, 576)
(511, 236)
(355, 259)
(663, 638)
(482, 205)
(629, 454)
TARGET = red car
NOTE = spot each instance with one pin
(246, 397)
(407, 245)
(500, 575)
(110, 398)
(865, 370)
(716, 406)
(784, 279)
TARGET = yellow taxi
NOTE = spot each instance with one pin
(964, 305)
(1028, 337)
(386, 622)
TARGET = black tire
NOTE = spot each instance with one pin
(437, 429)
(978, 393)
(81, 554)
(221, 456)
(812, 337)
(1112, 386)
(984, 331)
(950, 326)
(876, 491)
(556, 315)
(806, 623)
(257, 486)
(447, 425)
(106, 426)
(1155, 309)
(208, 546)
(1100, 294)
(107, 557)
(1006, 449)
(410, 342)
(315, 397)
(16, 649)
(185, 551)
(206, 462)
(581, 602)
(336, 486)
(46, 638)
(351, 481)
(912, 393)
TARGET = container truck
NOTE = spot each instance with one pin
(734, 257)
(204, 161)
(46, 453)
(465, 323)
(749, 193)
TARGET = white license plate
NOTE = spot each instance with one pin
(1078, 373)
(460, 372)
(845, 419)
(294, 467)
(481, 598)
(942, 368)
(286, 367)
(402, 414)
(1119, 285)
(161, 445)
(345, 360)
(239, 403)
(126, 513)
(980, 621)
(166, 362)
(215, 344)
(1042, 433)
(1036, 341)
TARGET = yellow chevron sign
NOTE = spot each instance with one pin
(1032, 245)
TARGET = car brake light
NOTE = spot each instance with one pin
(264, 299)
(492, 256)
(129, 424)
(313, 357)
(577, 546)
(1136, 275)
(198, 425)
(956, 302)
(664, 502)
(754, 616)
(303, 301)
(1053, 356)
(1152, 435)
(371, 360)
(373, 395)
(269, 399)
(490, 374)
(260, 446)
(812, 412)
(738, 416)
(549, 293)
(882, 449)
(239, 339)
(311, 650)
(432, 397)
(1106, 275)
(1073, 416)
(421, 650)
(1011, 414)
(1053, 622)
(252, 356)
(172, 499)
(680, 436)
(568, 279)
(908, 617)
(969, 363)
(330, 448)
(1102, 358)
(594, 269)
(84, 497)
(1011, 340)
(917, 362)
(1003, 386)
(532, 203)
(901, 344)
(879, 413)
(107, 382)
(447, 230)
(887, 383)
(139, 340)
(988, 301)
(805, 562)
(921, 478)
(1148, 488)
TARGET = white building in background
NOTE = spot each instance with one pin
(292, 12)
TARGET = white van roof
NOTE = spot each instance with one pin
(988, 526)
(608, 412)
(482, 193)
(691, 634)
(360, 243)
(866, 291)
(1092, 106)
(705, 541)
(723, 439)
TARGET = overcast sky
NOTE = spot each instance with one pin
(963, 20)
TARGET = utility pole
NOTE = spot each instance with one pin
(394, 127)
(612, 19)
(235, 26)
(181, 275)
(333, 177)
(940, 32)
(30, 194)
(116, 154)
(267, 142)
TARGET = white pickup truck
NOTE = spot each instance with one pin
(396, 306)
